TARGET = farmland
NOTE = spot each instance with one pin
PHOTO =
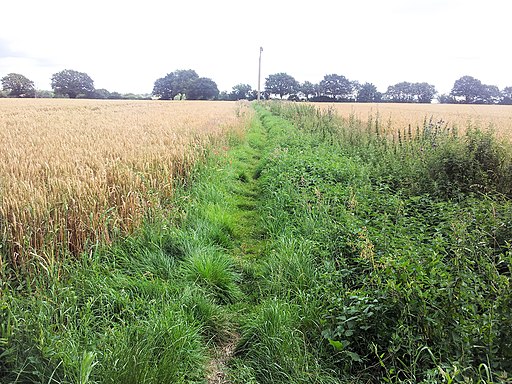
(399, 116)
(295, 245)
(74, 172)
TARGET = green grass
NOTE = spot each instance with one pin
(325, 252)
(403, 269)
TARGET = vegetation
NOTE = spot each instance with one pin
(311, 249)
(70, 180)
(387, 261)
(72, 83)
(281, 84)
(406, 92)
(17, 85)
(185, 84)
(399, 116)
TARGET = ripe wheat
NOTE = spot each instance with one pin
(77, 172)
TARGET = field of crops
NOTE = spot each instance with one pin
(400, 116)
(74, 172)
(306, 247)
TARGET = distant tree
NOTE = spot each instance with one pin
(44, 94)
(174, 83)
(202, 88)
(336, 87)
(468, 88)
(115, 96)
(281, 84)
(224, 96)
(424, 92)
(368, 93)
(101, 94)
(406, 92)
(72, 84)
(506, 96)
(308, 89)
(241, 91)
(400, 93)
(490, 94)
(17, 85)
(446, 99)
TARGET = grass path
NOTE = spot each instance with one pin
(239, 182)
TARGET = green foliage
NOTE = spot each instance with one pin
(337, 87)
(174, 83)
(240, 92)
(72, 83)
(281, 84)
(185, 84)
(213, 270)
(408, 267)
(471, 91)
(406, 92)
(202, 88)
(17, 85)
(143, 310)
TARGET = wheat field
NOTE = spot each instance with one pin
(77, 172)
(399, 116)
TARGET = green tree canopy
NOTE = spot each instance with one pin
(17, 85)
(174, 83)
(281, 84)
(241, 91)
(336, 87)
(308, 89)
(468, 88)
(368, 93)
(406, 92)
(506, 96)
(72, 83)
(202, 88)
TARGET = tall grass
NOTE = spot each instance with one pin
(408, 264)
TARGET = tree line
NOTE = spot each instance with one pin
(187, 84)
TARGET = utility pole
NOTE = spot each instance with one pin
(259, 76)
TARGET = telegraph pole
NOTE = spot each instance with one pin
(259, 75)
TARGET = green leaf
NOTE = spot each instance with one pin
(354, 356)
(338, 345)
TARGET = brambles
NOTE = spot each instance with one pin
(408, 284)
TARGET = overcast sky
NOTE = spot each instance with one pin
(126, 45)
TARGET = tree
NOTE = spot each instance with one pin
(241, 91)
(17, 85)
(446, 99)
(490, 95)
(506, 96)
(281, 84)
(468, 88)
(400, 93)
(424, 92)
(308, 89)
(368, 93)
(202, 88)
(336, 86)
(101, 94)
(406, 92)
(174, 83)
(72, 83)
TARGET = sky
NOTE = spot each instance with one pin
(124, 46)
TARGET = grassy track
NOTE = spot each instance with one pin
(291, 258)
